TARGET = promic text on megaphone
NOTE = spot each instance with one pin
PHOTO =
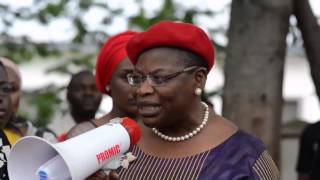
(33, 158)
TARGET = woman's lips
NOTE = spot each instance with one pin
(148, 109)
(2, 113)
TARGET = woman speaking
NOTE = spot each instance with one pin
(182, 137)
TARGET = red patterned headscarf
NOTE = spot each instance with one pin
(111, 54)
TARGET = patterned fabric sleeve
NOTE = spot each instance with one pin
(4, 152)
(265, 168)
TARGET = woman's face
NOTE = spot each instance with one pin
(5, 102)
(122, 93)
(163, 105)
(16, 83)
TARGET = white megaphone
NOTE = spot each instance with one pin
(34, 158)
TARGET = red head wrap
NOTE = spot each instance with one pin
(110, 55)
(172, 34)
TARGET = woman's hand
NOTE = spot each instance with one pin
(101, 175)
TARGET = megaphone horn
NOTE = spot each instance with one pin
(33, 158)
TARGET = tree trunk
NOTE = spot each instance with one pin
(310, 31)
(254, 68)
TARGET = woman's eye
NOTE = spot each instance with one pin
(158, 79)
(6, 88)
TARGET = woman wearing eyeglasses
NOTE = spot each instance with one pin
(182, 138)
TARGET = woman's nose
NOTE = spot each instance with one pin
(145, 89)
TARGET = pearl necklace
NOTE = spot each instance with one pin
(189, 135)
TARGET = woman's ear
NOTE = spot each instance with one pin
(201, 77)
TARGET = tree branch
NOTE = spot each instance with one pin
(310, 30)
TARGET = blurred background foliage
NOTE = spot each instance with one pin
(23, 48)
(82, 48)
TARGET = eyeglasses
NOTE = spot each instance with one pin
(5, 88)
(135, 79)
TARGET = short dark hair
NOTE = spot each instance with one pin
(192, 59)
(77, 76)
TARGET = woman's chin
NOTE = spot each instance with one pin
(149, 121)
(132, 111)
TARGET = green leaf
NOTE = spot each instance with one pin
(56, 9)
(85, 4)
(188, 17)
(42, 17)
(45, 103)
(81, 30)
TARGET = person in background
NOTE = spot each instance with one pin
(309, 148)
(182, 137)
(84, 100)
(112, 68)
(5, 113)
(18, 126)
(14, 77)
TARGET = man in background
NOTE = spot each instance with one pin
(309, 153)
(84, 100)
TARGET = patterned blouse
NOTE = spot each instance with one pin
(4, 152)
(241, 157)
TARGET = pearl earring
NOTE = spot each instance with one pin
(198, 91)
(108, 88)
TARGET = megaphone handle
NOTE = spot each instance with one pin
(114, 164)
(121, 160)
